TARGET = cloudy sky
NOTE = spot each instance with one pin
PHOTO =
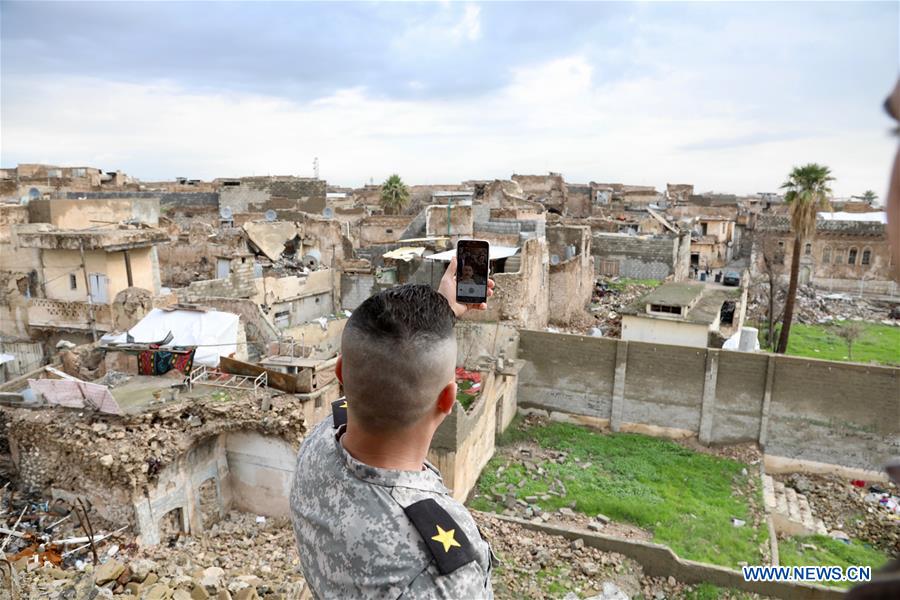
(727, 96)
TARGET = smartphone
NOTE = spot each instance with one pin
(472, 265)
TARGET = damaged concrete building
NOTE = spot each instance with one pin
(849, 252)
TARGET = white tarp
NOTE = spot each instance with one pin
(497, 252)
(878, 216)
(214, 333)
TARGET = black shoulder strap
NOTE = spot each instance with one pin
(444, 537)
(339, 412)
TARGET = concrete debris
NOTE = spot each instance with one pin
(237, 558)
(155, 439)
(843, 507)
(611, 296)
(814, 307)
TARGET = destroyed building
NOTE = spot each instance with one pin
(287, 196)
(849, 252)
(73, 259)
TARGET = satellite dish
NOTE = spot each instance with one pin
(226, 213)
(271, 215)
(328, 212)
(554, 259)
(34, 193)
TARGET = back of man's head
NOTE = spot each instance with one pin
(399, 352)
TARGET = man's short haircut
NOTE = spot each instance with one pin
(399, 352)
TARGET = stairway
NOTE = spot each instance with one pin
(791, 513)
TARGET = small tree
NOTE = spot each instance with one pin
(768, 257)
(394, 195)
(850, 332)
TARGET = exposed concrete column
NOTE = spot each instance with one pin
(767, 401)
(618, 395)
(128, 269)
(708, 408)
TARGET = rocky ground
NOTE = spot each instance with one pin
(533, 564)
(240, 558)
(245, 558)
(845, 508)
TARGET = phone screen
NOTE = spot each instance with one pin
(472, 263)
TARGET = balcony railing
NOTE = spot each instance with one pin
(50, 314)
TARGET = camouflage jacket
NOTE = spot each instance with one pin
(365, 532)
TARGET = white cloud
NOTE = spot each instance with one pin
(469, 26)
(551, 116)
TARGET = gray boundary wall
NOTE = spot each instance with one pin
(804, 409)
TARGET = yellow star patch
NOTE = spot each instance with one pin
(344, 405)
(446, 538)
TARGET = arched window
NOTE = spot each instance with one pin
(808, 250)
(838, 256)
(826, 255)
(851, 256)
(866, 256)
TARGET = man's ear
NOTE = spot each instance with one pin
(447, 398)
(339, 369)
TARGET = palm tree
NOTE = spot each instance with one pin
(394, 195)
(807, 193)
(869, 197)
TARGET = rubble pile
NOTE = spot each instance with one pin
(851, 509)
(533, 564)
(611, 296)
(814, 307)
(243, 557)
(62, 444)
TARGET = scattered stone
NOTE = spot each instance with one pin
(108, 571)
(579, 543)
(212, 577)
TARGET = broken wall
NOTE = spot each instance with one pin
(382, 229)
(92, 213)
(572, 279)
(522, 297)
(259, 194)
(795, 408)
(449, 220)
(465, 441)
(635, 257)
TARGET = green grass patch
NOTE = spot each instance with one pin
(462, 393)
(823, 551)
(686, 499)
(625, 282)
(879, 343)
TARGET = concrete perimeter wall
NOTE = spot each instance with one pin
(796, 408)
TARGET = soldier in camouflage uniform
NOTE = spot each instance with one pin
(371, 516)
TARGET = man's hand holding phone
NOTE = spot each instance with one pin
(448, 290)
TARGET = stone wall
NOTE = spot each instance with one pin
(382, 229)
(800, 409)
(259, 194)
(637, 257)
